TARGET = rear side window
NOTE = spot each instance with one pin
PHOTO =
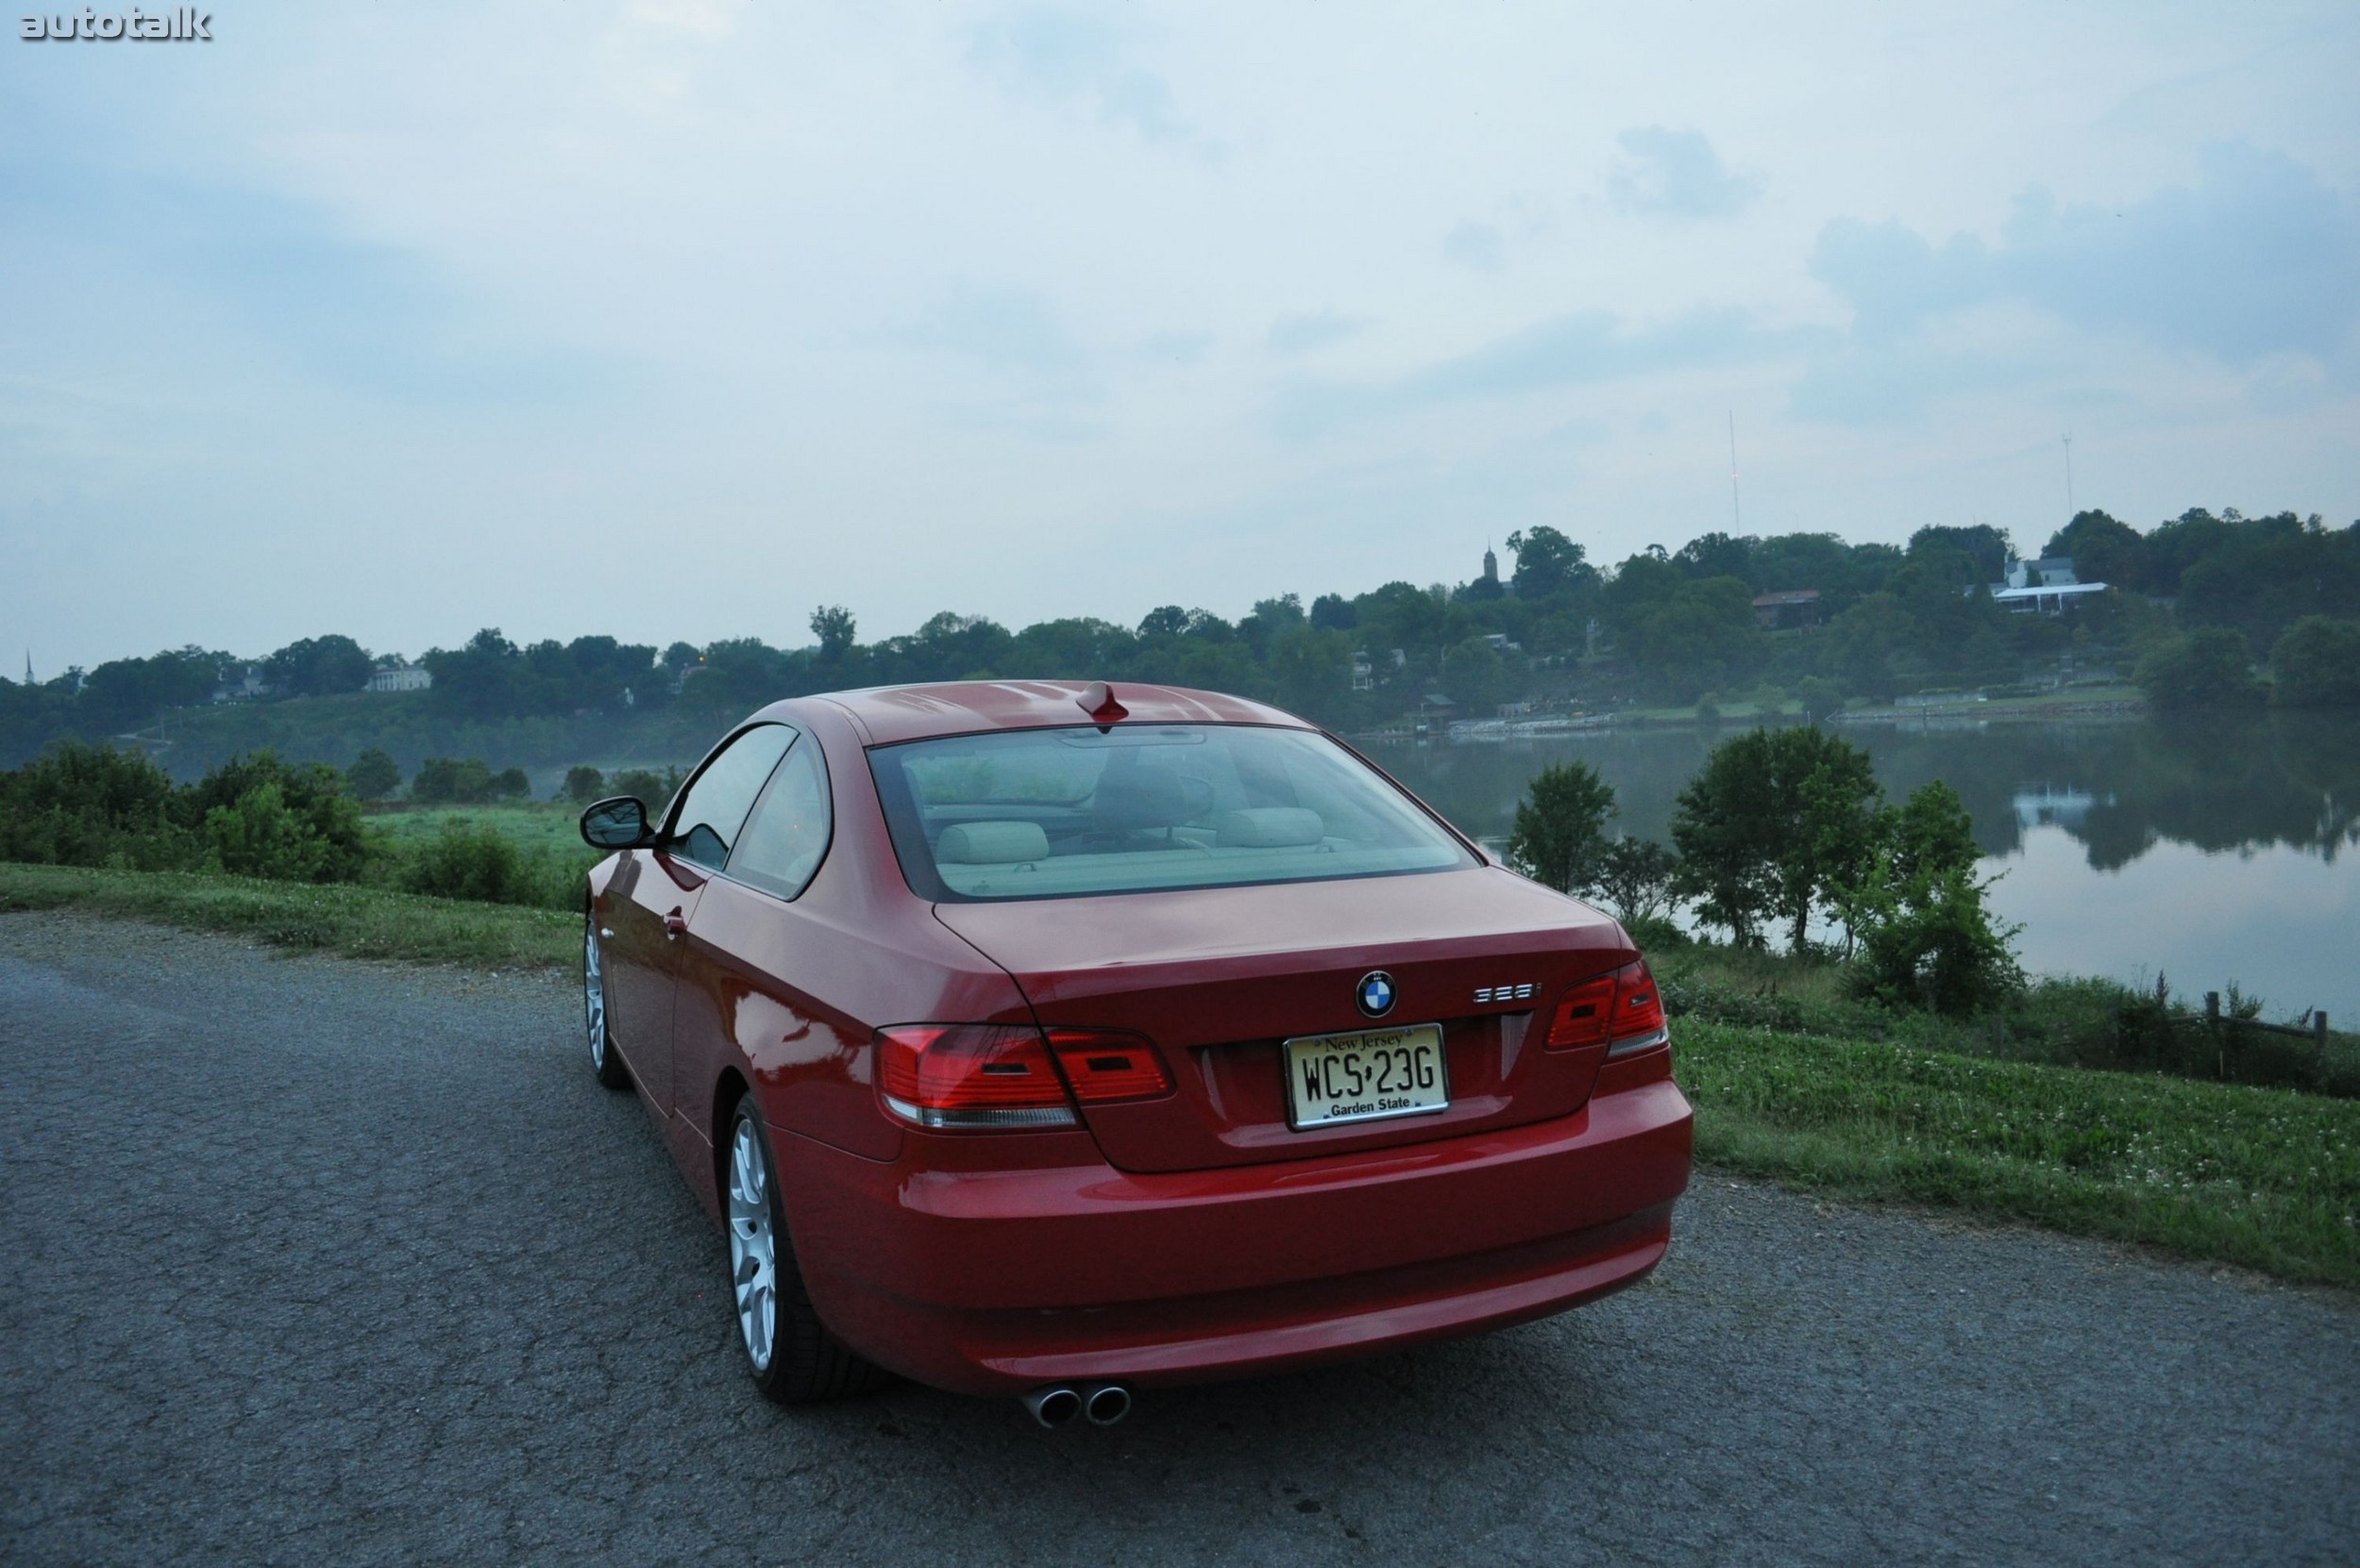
(716, 802)
(786, 837)
(1032, 814)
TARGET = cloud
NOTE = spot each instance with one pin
(1584, 349)
(2257, 257)
(1175, 347)
(1070, 60)
(1305, 330)
(1676, 174)
(1002, 328)
(1476, 244)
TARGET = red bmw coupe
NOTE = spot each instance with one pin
(1035, 1038)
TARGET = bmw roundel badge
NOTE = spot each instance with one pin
(1374, 993)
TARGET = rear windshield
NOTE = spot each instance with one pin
(1044, 814)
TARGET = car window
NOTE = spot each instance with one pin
(788, 835)
(1066, 812)
(716, 802)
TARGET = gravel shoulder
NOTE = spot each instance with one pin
(315, 1261)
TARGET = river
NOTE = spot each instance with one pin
(2211, 851)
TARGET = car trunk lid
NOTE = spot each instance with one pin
(1218, 977)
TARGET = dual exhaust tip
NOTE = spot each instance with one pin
(1100, 1403)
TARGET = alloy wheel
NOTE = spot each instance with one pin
(754, 1243)
(593, 993)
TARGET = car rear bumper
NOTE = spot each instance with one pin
(990, 1282)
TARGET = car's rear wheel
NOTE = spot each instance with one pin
(794, 1359)
(603, 1058)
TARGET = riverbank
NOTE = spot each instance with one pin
(2263, 1178)
(2074, 704)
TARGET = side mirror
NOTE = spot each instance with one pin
(620, 823)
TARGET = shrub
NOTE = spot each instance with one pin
(258, 836)
(373, 775)
(458, 781)
(508, 784)
(306, 826)
(88, 805)
(468, 861)
(1929, 943)
(2209, 668)
(2316, 663)
(652, 788)
(584, 784)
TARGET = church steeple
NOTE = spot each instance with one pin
(1491, 565)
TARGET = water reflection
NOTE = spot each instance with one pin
(2237, 828)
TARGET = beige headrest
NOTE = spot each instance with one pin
(991, 843)
(1269, 828)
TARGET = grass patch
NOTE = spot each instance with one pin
(2268, 1179)
(358, 922)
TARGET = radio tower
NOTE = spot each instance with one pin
(1735, 526)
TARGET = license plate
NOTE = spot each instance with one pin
(1365, 1075)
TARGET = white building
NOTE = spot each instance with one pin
(401, 678)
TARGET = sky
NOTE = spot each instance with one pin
(673, 319)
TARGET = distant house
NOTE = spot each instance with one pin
(1363, 672)
(401, 678)
(240, 684)
(2043, 586)
(1499, 643)
(2049, 571)
(1787, 609)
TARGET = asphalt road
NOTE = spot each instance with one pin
(311, 1261)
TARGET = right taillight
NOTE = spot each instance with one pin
(1622, 1010)
(971, 1075)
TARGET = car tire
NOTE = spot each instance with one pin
(790, 1353)
(604, 1059)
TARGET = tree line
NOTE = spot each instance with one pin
(2206, 609)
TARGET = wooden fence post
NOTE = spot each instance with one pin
(2212, 1027)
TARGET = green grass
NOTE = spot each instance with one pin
(2268, 1179)
(556, 828)
(359, 922)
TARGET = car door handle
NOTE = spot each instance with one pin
(675, 925)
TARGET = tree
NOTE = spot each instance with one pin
(1634, 876)
(1547, 563)
(1768, 827)
(1819, 699)
(2208, 669)
(1474, 676)
(2103, 549)
(319, 667)
(1929, 836)
(373, 775)
(1559, 832)
(1930, 941)
(834, 625)
(451, 780)
(584, 784)
(2316, 663)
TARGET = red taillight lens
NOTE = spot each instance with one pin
(1638, 1007)
(1583, 1016)
(1103, 1065)
(971, 1075)
(1623, 1007)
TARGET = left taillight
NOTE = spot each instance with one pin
(1010, 1075)
(971, 1075)
(1624, 1010)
